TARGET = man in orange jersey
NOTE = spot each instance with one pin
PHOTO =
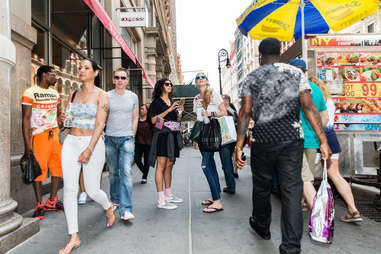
(40, 107)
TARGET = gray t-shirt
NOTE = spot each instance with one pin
(119, 121)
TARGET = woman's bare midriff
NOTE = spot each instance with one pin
(80, 132)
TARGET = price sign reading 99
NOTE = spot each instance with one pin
(362, 90)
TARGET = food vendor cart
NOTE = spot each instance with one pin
(351, 66)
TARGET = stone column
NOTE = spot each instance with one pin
(9, 220)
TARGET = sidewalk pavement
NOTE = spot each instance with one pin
(187, 229)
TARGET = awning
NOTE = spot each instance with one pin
(102, 15)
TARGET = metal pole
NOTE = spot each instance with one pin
(304, 46)
(219, 73)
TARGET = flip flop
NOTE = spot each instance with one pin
(350, 217)
(213, 210)
(207, 202)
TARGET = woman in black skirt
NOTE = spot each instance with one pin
(166, 142)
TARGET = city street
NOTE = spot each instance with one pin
(187, 229)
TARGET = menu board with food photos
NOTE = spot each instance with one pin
(355, 82)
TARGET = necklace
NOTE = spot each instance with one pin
(168, 102)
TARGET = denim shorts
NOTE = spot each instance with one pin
(333, 142)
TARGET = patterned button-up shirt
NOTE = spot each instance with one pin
(275, 91)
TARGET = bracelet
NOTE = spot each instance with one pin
(91, 150)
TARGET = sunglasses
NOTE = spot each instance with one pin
(168, 84)
(200, 77)
(118, 77)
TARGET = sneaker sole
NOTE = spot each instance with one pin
(174, 201)
(167, 208)
(39, 217)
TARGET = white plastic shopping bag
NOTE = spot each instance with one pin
(323, 212)
(228, 132)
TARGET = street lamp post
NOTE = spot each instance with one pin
(223, 56)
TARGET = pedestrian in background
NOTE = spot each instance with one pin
(40, 107)
(121, 128)
(311, 141)
(272, 95)
(84, 147)
(143, 141)
(353, 214)
(166, 141)
(226, 152)
(208, 103)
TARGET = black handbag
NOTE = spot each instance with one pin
(210, 137)
(30, 168)
(196, 130)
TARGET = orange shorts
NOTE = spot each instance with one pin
(47, 150)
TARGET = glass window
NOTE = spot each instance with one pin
(96, 39)
(70, 22)
(60, 54)
(39, 50)
(65, 59)
(130, 42)
(371, 28)
(148, 15)
(40, 10)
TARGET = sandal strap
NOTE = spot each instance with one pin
(355, 213)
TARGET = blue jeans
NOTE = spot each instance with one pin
(119, 157)
(208, 165)
(226, 154)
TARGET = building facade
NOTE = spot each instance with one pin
(61, 33)
(244, 58)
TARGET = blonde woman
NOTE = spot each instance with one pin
(353, 215)
(209, 104)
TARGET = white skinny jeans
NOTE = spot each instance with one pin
(73, 146)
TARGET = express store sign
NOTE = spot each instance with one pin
(132, 19)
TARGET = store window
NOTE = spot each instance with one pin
(371, 28)
(96, 39)
(70, 22)
(40, 9)
(66, 31)
(130, 41)
(40, 50)
(148, 14)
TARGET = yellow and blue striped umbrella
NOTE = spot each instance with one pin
(282, 19)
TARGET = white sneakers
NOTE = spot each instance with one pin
(82, 198)
(127, 216)
(174, 199)
(166, 205)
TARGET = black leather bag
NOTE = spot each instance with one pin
(210, 136)
(30, 169)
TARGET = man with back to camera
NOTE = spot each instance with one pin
(273, 94)
(40, 107)
(121, 126)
